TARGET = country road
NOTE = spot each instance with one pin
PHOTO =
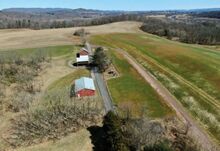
(102, 89)
(100, 82)
(194, 128)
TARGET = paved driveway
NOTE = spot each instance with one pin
(98, 78)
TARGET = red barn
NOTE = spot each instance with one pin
(84, 52)
(84, 87)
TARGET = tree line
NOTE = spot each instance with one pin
(46, 24)
(191, 30)
(32, 24)
(198, 32)
(212, 14)
(123, 134)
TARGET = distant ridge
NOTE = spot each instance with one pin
(34, 10)
(41, 18)
(48, 10)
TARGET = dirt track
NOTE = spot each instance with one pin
(194, 128)
(26, 38)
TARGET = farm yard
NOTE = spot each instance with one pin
(79, 140)
(53, 79)
(52, 76)
(189, 72)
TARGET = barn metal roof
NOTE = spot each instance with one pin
(82, 58)
(84, 83)
(85, 49)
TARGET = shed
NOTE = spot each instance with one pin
(84, 87)
(82, 60)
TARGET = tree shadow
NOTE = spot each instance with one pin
(88, 66)
(98, 138)
(72, 91)
(77, 65)
(80, 45)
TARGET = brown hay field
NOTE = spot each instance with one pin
(27, 38)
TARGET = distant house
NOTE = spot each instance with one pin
(82, 52)
(82, 60)
(84, 87)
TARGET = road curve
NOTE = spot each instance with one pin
(198, 132)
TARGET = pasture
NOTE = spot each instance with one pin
(132, 94)
(52, 51)
(26, 38)
(190, 72)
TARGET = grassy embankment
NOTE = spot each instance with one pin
(190, 72)
(68, 79)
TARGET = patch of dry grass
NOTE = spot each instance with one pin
(79, 141)
(25, 38)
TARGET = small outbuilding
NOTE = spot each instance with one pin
(82, 60)
(84, 87)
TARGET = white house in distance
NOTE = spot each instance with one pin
(82, 58)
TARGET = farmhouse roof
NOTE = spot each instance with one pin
(84, 83)
(82, 58)
(84, 49)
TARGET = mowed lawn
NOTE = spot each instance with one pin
(53, 51)
(65, 85)
(131, 92)
(68, 80)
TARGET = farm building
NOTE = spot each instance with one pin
(82, 60)
(84, 52)
(84, 87)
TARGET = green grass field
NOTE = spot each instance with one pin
(64, 86)
(190, 72)
(53, 51)
(196, 64)
(68, 79)
(131, 92)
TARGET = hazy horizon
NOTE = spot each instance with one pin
(104, 9)
(128, 5)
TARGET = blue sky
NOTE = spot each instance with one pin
(113, 4)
